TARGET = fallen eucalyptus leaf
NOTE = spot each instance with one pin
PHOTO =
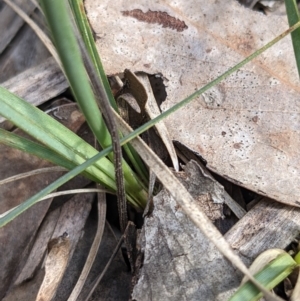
(247, 127)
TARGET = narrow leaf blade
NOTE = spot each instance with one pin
(293, 17)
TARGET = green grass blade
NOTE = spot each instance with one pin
(297, 258)
(86, 33)
(54, 135)
(34, 148)
(69, 52)
(270, 276)
(293, 17)
(59, 182)
(60, 139)
(38, 150)
(137, 163)
(63, 30)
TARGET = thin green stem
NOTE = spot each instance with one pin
(84, 28)
(87, 36)
(293, 17)
(65, 36)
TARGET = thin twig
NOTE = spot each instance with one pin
(97, 281)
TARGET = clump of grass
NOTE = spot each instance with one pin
(66, 148)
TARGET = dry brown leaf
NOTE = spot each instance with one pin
(153, 111)
(70, 218)
(20, 48)
(16, 238)
(55, 265)
(10, 22)
(247, 127)
(39, 32)
(19, 234)
(140, 87)
(39, 248)
(38, 84)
